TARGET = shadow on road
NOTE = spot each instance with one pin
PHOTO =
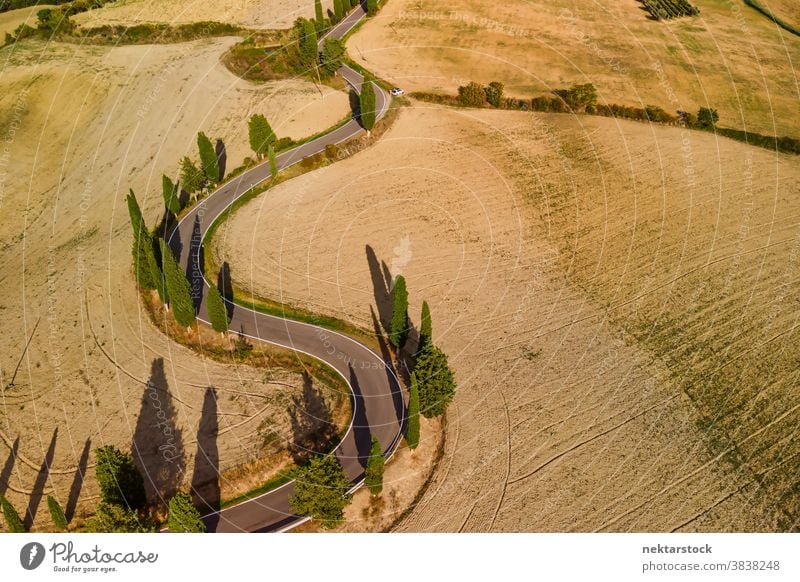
(157, 444)
(77, 481)
(205, 478)
(386, 355)
(313, 429)
(361, 430)
(194, 268)
(225, 286)
(37, 491)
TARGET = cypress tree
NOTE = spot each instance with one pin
(367, 105)
(332, 53)
(112, 518)
(318, 15)
(56, 514)
(437, 384)
(142, 246)
(412, 428)
(261, 134)
(191, 177)
(217, 312)
(120, 482)
(170, 193)
(183, 515)
(321, 491)
(398, 328)
(373, 474)
(308, 42)
(178, 289)
(338, 11)
(13, 522)
(426, 327)
(208, 158)
(372, 7)
(273, 164)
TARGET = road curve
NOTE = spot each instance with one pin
(379, 408)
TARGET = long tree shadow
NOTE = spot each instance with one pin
(8, 467)
(381, 283)
(361, 432)
(37, 491)
(222, 157)
(77, 481)
(194, 269)
(157, 444)
(225, 286)
(397, 394)
(313, 429)
(205, 478)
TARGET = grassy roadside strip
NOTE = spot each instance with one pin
(755, 5)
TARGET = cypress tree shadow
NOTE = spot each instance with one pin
(313, 429)
(77, 481)
(225, 287)
(157, 447)
(37, 491)
(222, 157)
(194, 269)
(205, 478)
(397, 393)
(380, 286)
(361, 431)
(8, 467)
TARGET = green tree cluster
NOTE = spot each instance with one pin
(332, 54)
(578, 97)
(178, 289)
(321, 491)
(192, 178)
(494, 93)
(471, 95)
(145, 267)
(111, 518)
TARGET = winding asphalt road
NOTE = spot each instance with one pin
(379, 408)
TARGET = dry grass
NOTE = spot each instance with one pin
(730, 57)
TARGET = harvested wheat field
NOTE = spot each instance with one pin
(730, 57)
(622, 338)
(786, 10)
(249, 13)
(10, 20)
(97, 371)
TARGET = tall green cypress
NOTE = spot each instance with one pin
(398, 328)
(320, 18)
(183, 515)
(338, 10)
(57, 514)
(426, 327)
(273, 164)
(208, 157)
(373, 474)
(412, 426)
(217, 312)
(367, 104)
(170, 193)
(437, 384)
(142, 246)
(192, 178)
(261, 134)
(13, 522)
(308, 42)
(178, 289)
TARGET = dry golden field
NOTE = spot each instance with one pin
(616, 300)
(786, 10)
(730, 57)
(79, 126)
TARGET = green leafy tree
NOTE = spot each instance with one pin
(120, 482)
(372, 7)
(436, 382)
(707, 118)
(273, 164)
(471, 95)
(57, 514)
(13, 522)
(307, 42)
(143, 257)
(398, 327)
(494, 93)
(373, 474)
(332, 54)
(183, 515)
(178, 289)
(170, 193)
(261, 135)
(192, 178)
(578, 97)
(319, 16)
(321, 491)
(217, 312)
(111, 518)
(208, 158)
(338, 10)
(426, 327)
(412, 427)
(366, 101)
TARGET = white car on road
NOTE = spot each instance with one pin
(396, 91)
